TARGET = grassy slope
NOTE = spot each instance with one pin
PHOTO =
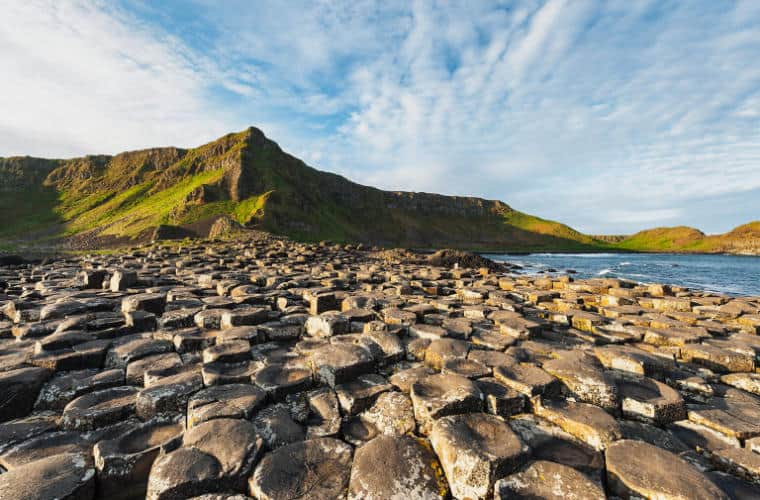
(251, 179)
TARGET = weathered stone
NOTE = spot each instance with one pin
(584, 380)
(499, 398)
(438, 396)
(18, 391)
(527, 379)
(183, 473)
(635, 468)
(279, 380)
(317, 468)
(67, 386)
(395, 467)
(123, 464)
(586, 422)
(224, 401)
(359, 394)
(276, 426)
(324, 414)
(544, 479)
(169, 395)
(648, 399)
(475, 450)
(337, 363)
(99, 408)
(66, 476)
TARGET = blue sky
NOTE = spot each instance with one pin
(609, 116)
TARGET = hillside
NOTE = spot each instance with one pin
(246, 179)
(107, 200)
(743, 240)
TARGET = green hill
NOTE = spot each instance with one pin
(102, 201)
(105, 200)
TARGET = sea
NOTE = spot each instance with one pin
(727, 274)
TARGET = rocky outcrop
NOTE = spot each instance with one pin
(270, 369)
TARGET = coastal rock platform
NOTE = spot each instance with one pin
(270, 369)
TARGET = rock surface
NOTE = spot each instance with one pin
(264, 368)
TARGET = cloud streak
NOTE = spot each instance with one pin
(609, 116)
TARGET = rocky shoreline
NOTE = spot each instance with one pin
(270, 369)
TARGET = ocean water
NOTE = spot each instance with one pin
(727, 274)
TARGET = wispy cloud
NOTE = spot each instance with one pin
(609, 116)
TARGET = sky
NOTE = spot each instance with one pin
(610, 116)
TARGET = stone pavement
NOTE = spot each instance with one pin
(276, 370)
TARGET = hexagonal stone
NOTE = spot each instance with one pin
(123, 354)
(169, 395)
(337, 363)
(527, 379)
(99, 408)
(232, 351)
(359, 394)
(224, 401)
(122, 279)
(549, 442)
(475, 450)
(441, 350)
(749, 382)
(631, 359)
(327, 324)
(135, 374)
(741, 462)
(676, 337)
(586, 381)
(650, 400)
(276, 426)
(544, 479)
(404, 379)
(150, 302)
(635, 468)
(500, 399)
(234, 443)
(65, 476)
(441, 395)
(18, 391)
(183, 473)
(64, 387)
(229, 373)
(466, 367)
(392, 414)
(586, 422)
(279, 380)
(324, 414)
(123, 464)
(718, 359)
(317, 468)
(244, 316)
(22, 429)
(396, 467)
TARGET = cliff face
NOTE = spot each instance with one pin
(102, 199)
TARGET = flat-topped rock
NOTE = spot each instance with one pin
(316, 468)
(635, 468)
(475, 450)
(542, 479)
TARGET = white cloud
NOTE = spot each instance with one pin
(608, 116)
(80, 77)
